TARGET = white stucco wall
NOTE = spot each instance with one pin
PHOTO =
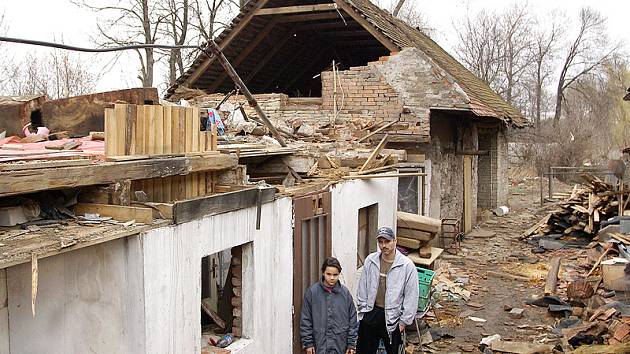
(347, 199)
(88, 301)
(172, 270)
(142, 294)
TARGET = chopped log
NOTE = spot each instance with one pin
(409, 242)
(552, 276)
(422, 236)
(418, 222)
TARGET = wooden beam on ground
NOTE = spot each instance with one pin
(116, 212)
(20, 182)
(369, 27)
(374, 153)
(198, 208)
(224, 43)
(295, 9)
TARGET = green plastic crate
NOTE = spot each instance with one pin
(425, 277)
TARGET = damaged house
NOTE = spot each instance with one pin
(387, 76)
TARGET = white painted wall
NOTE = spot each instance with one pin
(88, 301)
(347, 199)
(172, 273)
(4, 313)
(142, 294)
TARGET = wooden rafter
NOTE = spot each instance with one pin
(374, 31)
(224, 43)
(270, 54)
(307, 48)
(245, 53)
(309, 17)
(304, 70)
(296, 9)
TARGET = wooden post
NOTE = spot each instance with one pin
(550, 177)
(241, 85)
(552, 276)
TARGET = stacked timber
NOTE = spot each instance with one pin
(142, 131)
(415, 233)
(581, 213)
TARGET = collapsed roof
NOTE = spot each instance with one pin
(280, 46)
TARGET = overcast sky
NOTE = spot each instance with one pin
(60, 19)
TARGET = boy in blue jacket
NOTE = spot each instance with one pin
(328, 323)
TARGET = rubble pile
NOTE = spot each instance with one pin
(576, 220)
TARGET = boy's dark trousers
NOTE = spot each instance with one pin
(372, 329)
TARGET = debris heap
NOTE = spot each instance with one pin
(584, 212)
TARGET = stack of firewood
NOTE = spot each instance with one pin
(582, 212)
(415, 232)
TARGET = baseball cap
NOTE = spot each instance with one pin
(385, 232)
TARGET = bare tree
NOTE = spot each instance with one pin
(585, 53)
(479, 46)
(516, 27)
(399, 5)
(212, 16)
(129, 22)
(543, 53)
(59, 74)
(177, 15)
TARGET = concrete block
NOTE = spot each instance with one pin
(11, 216)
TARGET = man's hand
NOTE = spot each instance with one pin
(310, 350)
(401, 327)
(350, 351)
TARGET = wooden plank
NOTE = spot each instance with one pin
(110, 130)
(295, 9)
(419, 235)
(167, 187)
(194, 133)
(141, 131)
(378, 130)
(418, 222)
(417, 260)
(165, 209)
(214, 135)
(130, 129)
(18, 182)
(467, 219)
(374, 153)
(117, 212)
(552, 276)
(188, 148)
(44, 164)
(120, 111)
(158, 146)
(197, 208)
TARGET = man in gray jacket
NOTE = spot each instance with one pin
(387, 296)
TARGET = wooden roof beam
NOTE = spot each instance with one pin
(243, 55)
(224, 43)
(309, 17)
(374, 31)
(296, 9)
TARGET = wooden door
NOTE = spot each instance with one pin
(467, 193)
(312, 243)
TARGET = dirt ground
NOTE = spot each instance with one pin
(499, 249)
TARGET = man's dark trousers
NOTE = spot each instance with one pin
(372, 329)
